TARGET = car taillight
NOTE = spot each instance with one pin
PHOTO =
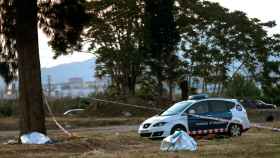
(239, 108)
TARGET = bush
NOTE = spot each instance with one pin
(240, 88)
(8, 108)
(59, 106)
(146, 89)
(93, 108)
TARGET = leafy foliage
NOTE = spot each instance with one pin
(219, 43)
(63, 21)
(271, 81)
(8, 65)
(116, 40)
(161, 38)
(138, 40)
(241, 88)
(157, 42)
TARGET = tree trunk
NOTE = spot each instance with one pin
(171, 87)
(132, 83)
(215, 87)
(32, 116)
(160, 88)
(203, 85)
(218, 89)
(184, 89)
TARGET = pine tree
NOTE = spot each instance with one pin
(63, 21)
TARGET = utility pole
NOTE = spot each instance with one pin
(49, 86)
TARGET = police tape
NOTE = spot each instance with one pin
(129, 105)
(255, 125)
(265, 127)
(69, 134)
(214, 118)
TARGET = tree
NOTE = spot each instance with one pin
(63, 22)
(8, 66)
(30, 89)
(215, 40)
(19, 48)
(174, 73)
(138, 39)
(117, 41)
(240, 87)
(270, 73)
(161, 38)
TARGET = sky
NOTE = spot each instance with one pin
(265, 10)
(46, 54)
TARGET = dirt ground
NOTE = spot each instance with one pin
(124, 142)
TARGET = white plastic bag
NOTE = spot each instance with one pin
(35, 138)
(180, 140)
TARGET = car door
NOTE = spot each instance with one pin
(197, 125)
(220, 109)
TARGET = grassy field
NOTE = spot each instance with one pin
(11, 123)
(255, 143)
(118, 139)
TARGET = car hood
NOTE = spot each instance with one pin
(158, 118)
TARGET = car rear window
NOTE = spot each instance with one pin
(230, 105)
(220, 105)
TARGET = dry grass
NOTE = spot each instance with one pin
(11, 123)
(113, 144)
(254, 144)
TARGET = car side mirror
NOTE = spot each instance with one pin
(192, 111)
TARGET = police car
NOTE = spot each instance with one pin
(188, 116)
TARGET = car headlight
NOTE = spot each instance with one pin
(159, 124)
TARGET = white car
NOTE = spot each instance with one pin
(180, 117)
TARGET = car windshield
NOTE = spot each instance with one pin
(177, 108)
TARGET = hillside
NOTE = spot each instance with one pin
(62, 73)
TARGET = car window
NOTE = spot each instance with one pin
(220, 106)
(201, 107)
(177, 108)
(229, 105)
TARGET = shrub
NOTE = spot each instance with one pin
(240, 88)
(8, 108)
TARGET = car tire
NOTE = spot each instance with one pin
(234, 130)
(178, 128)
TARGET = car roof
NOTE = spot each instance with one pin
(222, 99)
(202, 94)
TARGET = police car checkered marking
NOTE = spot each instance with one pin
(219, 130)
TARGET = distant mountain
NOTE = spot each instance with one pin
(62, 73)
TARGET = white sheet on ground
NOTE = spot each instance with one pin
(35, 138)
(180, 140)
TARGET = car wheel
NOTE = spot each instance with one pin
(235, 130)
(178, 128)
